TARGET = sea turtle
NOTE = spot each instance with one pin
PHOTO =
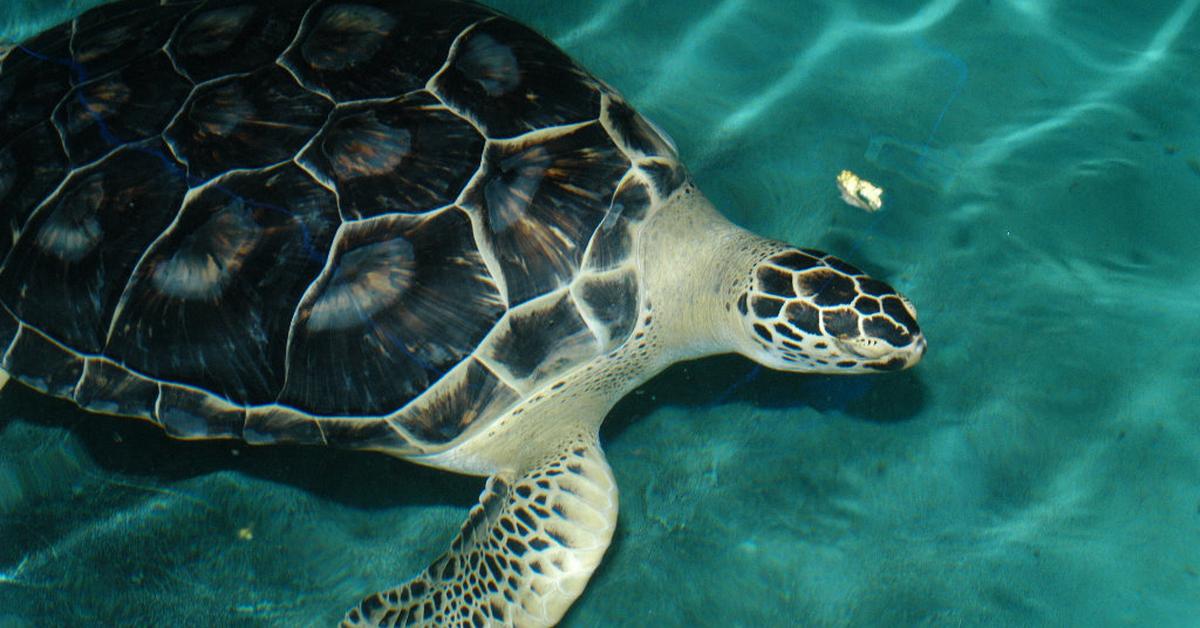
(413, 227)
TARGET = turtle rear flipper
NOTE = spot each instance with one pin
(524, 554)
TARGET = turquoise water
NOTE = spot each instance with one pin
(1040, 467)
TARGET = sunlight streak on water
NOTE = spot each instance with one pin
(671, 65)
(1117, 79)
(844, 29)
(1041, 462)
(596, 24)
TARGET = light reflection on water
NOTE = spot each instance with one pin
(1039, 163)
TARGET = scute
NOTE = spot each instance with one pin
(212, 301)
(107, 387)
(113, 35)
(408, 155)
(131, 104)
(237, 37)
(472, 393)
(643, 139)
(31, 166)
(365, 223)
(542, 340)
(511, 80)
(67, 269)
(185, 412)
(611, 301)
(33, 79)
(377, 48)
(40, 362)
(541, 199)
(403, 300)
(249, 121)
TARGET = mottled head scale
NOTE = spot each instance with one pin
(812, 312)
(412, 226)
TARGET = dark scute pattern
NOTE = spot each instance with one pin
(345, 35)
(403, 338)
(795, 260)
(632, 200)
(866, 305)
(33, 79)
(614, 302)
(827, 287)
(666, 175)
(544, 341)
(248, 121)
(67, 269)
(894, 307)
(804, 317)
(612, 244)
(230, 37)
(541, 200)
(407, 155)
(766, 307)
(512, 80)
(42, 365)
(378, 48)
(842, 266)
(874, 287)
(882, 327)
(213, 299)
(785, 330)
(129, 105)
(107, 387)
(774, 282)
(111, 36)
(31, 166)
(634, 132)
(476, 395)
(840, 322)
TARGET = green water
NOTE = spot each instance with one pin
(1040, 467)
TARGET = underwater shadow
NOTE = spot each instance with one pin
(733, 379)
(370, 481)
(138, 448)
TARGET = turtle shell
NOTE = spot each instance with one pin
(370, 223)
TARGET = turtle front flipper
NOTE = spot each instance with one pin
(524, 554)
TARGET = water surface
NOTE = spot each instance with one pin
(1041, 467)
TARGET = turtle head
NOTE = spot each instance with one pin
(807, 311)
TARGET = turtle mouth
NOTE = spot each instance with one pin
(865, 348)
(878, 354)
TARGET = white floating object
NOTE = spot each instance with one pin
(860, 192)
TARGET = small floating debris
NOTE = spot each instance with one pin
(859, 192)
